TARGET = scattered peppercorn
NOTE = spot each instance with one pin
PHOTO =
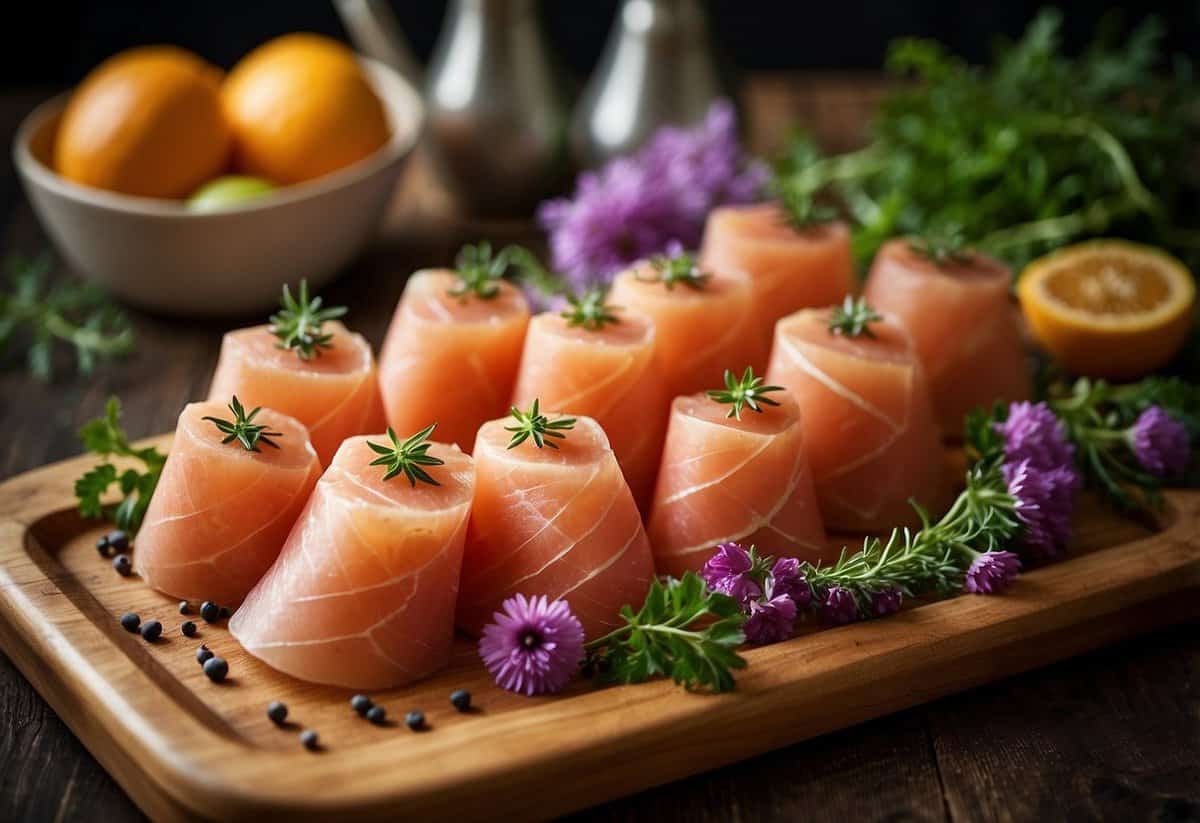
(309, 738)
(185, 607)
(225, 612)
(210, 611)
(216, 668)
(123, 565)
(130, 622)
(102, 547)
(118, 539)
(188, 628)
(361, 704)
(415, 720)
(377, 715)
(151, 631)
(277, 711)
(460, 699)
(203, 654)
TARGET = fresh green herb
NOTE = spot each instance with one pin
(749, 391)
(1034, 152)
(298, 323)
(853, 318)
(407, 457)
(478, 271)
(589, 310)
(526, 269)
(683, 631)
(104, 436)
(34, 314)
(680, 268)
(536, 425)
(942, 248)
(801, 208)
(243, 429)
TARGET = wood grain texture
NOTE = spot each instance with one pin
(186, 748)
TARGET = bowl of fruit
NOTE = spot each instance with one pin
(188, 191)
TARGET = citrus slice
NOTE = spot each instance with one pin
(1108, 308)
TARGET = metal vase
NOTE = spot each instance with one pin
(658, 68)
(497, 116)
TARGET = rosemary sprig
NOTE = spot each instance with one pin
(853, 318)
(104, 436)
(36, 315)
(298, 323)
(682, 631)
(680, 267)
(589, 310)
(536, 425)
(749, 391)
(243, 429)
(942, 247)
(479, 271)
(800, 207)
(407, 457)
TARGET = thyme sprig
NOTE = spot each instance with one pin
(589, 310)
(36, 315)
(683, 631)
(854, 318)
(538, 426)
(298, 323)
(678, 268)
(104, 437)
(479, 271)
(748, 391)
(243, 429)
(407, 456)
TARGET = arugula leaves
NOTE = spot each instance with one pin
(683, 631)
(104, 436)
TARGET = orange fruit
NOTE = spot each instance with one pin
(301, 107)
(146, 121)
(1109, 308)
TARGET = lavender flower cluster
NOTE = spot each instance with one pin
(634, 206)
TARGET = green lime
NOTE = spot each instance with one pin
(228, 192)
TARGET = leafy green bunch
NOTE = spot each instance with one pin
(1031, 153)
(104, 437)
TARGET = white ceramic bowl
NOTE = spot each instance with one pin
(158, 255)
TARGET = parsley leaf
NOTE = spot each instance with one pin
(104, 437)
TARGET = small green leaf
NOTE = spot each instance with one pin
(408, 456)
(533, 424)
(299, 323)
(853, 318)
(748, 391)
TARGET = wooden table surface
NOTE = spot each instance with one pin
(1114, 735)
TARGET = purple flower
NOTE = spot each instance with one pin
(729, 571)
(1160, 443)
(839, 607)
(534, 646)
(770, 620)
(886, 602)
(1045, 503)
(634, 206)
(787, 578)
(991, 572)
(1034, 433)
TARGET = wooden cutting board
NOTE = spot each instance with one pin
(185, 748)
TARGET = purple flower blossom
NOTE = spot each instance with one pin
(1045, 503)
(634, 206)
(534, 646)
(729, 572)
(991, 572)
(787, 578)
(1160, 443)
(887, 601)
(839, 607)
(770, 620)
(1034, 433)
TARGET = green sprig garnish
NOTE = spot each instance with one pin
(942, 248)
(104, 436)
(538, 426)
(589, 310)
(243, 429)
(749, 392)
(800, 207)
(682, 631)
(407, 456)
(853, 318)
(529, 271)
(298, 323)
(479, 271)
(678, 268)
(35, 315)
